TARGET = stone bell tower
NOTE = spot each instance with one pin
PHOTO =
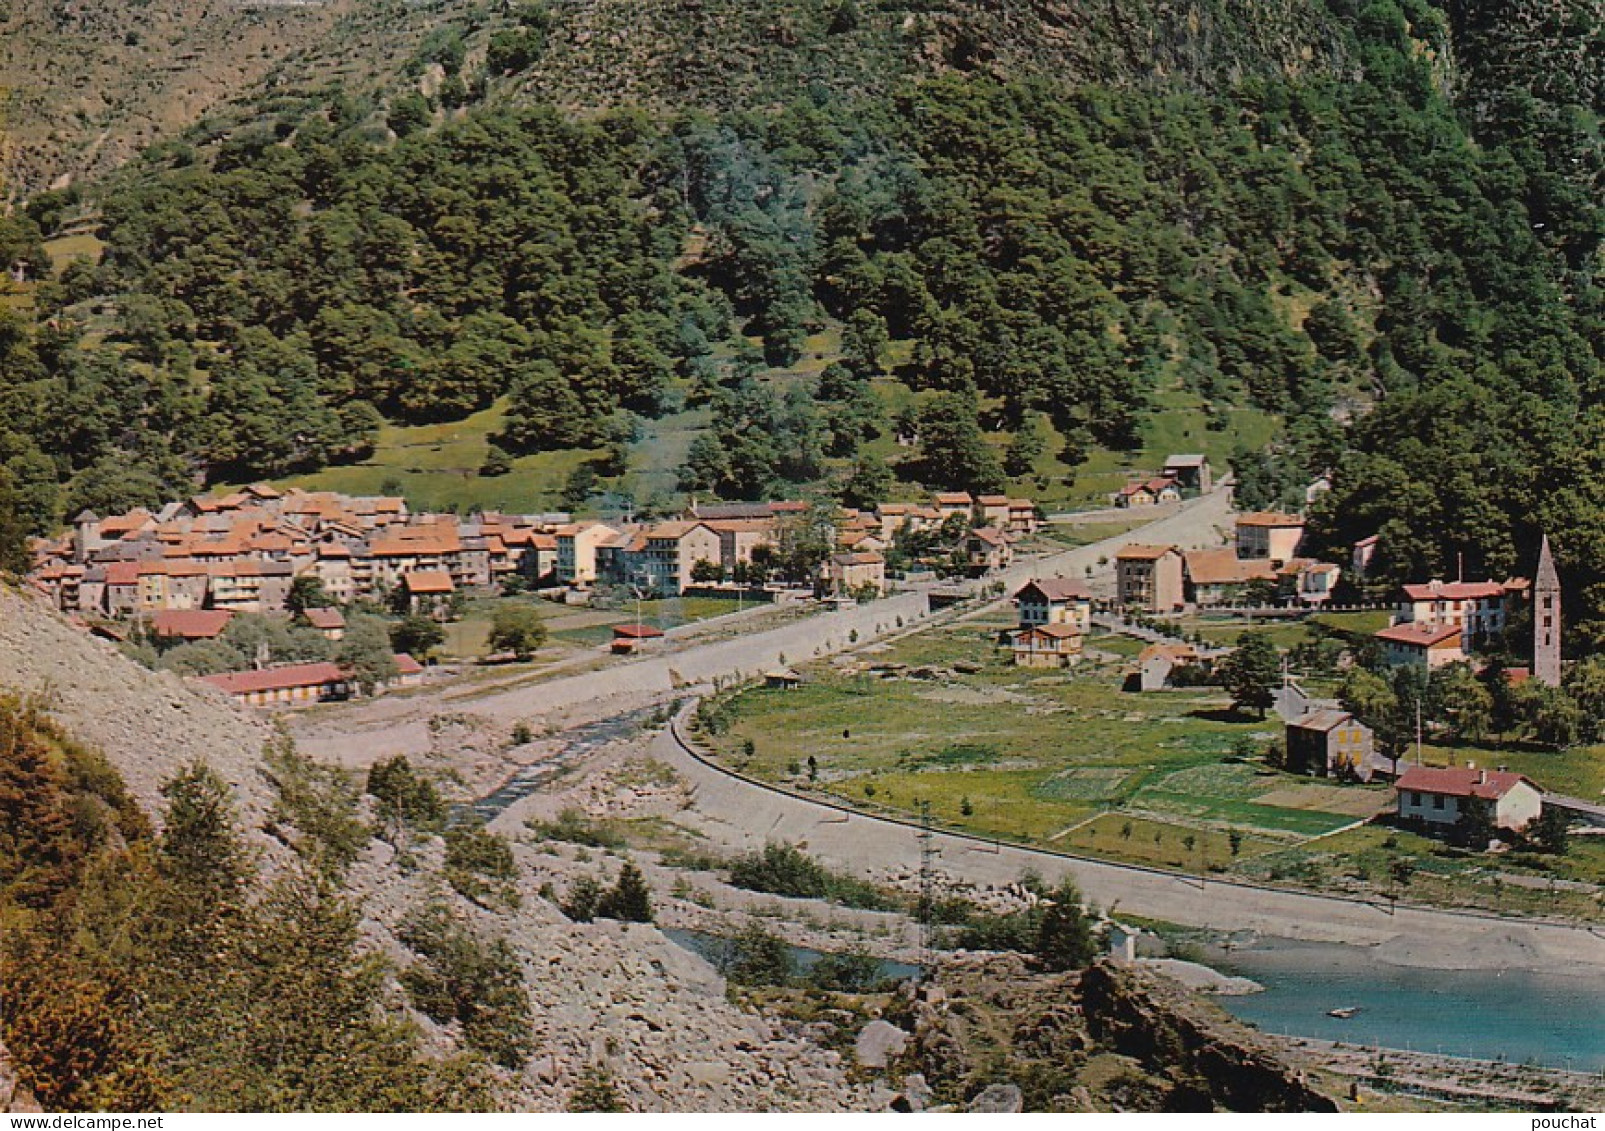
(1546, 619)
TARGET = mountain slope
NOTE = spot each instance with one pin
(143, 74)
(149, 725)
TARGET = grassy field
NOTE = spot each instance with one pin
(437, 468)
(1381, 862)
(1066, 760)
(65, 249)
(1072, 535)
(1032, 755)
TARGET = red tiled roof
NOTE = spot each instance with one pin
(277, 679)
(1056, 589)
(1052, 631)
(1133, 552)
(1461, 781)
(1176, 652)
(190, 624)
(406, 665)
(325, 618)
(1224, 567)
(953, 499)
(428, 581)
(1420, 635)
(122, 573)
(1454, 591)
(866, 557)
(636, 631)
(1269, 518)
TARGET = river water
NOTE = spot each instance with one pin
(1555, 1019)
(714, 947)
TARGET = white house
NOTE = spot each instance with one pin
(1426, 645)
(1477, 608)
(1434, 796)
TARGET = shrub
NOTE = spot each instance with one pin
(474, 855)
(584, 893)
(784, 869)
(406, 794)
(321, 803)
(596, 1093)
(574, 827)
(756, 957)
(476, 982)
(851, 971)
(629, 899)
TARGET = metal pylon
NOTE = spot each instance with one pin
(927, 908)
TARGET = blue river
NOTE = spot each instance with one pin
(1555, 1019)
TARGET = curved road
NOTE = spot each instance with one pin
(741, 812)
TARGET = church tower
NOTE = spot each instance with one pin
(1546, 619)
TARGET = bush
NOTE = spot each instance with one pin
(474, 855)
(852, 971)
(580, 903)
(320, 802)
(784, 869)
(596, 1093)
(629, 899)
(475, 982)
(1058, 930)
(756, 957)
(574, 827)
(406, 794)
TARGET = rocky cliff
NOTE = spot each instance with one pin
(992, 1031)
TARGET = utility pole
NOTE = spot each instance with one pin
(927, 909)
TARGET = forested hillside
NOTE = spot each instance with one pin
(1392, 258)
(143, 73)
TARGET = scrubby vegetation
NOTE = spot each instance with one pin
(148, 972)
(475, 982)
(784, 869)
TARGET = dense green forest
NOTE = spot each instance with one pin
(1397, 263)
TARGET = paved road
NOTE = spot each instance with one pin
(361, 733)
(745, 814)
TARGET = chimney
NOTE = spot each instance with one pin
(1482, 777)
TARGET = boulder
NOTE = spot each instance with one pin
(998, 1099)
(878, 1043)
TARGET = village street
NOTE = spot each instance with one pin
(362, 732)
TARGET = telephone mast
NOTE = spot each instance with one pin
(927, 908)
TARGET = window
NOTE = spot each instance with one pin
(1437, 801)
(1415, 799)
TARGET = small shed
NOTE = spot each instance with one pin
(631, 638)
(783, 678)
